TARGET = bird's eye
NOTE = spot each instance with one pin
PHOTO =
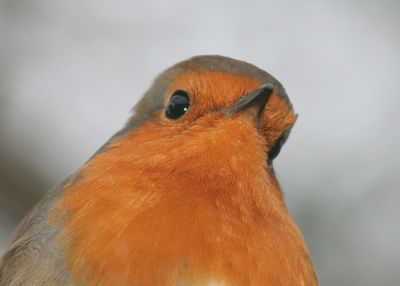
(178, 105)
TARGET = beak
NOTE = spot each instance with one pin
(252, 104)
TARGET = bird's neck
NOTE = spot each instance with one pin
(220, 163)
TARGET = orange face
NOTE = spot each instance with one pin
(212, 91)
(186, 201)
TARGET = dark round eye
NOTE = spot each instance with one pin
(178, 104)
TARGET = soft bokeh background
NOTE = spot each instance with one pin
(71, 70)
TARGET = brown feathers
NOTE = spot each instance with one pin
(192, 201)
(186, 202)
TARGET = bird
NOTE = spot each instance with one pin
(184, 194)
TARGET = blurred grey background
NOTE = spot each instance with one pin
(71, 70)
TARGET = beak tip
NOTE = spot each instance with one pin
(253, 103)
(267, 87)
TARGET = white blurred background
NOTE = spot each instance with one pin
(71, 70)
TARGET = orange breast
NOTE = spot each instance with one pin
(160, 208)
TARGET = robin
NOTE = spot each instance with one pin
(184, 194)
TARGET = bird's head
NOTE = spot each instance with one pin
(211, 107)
